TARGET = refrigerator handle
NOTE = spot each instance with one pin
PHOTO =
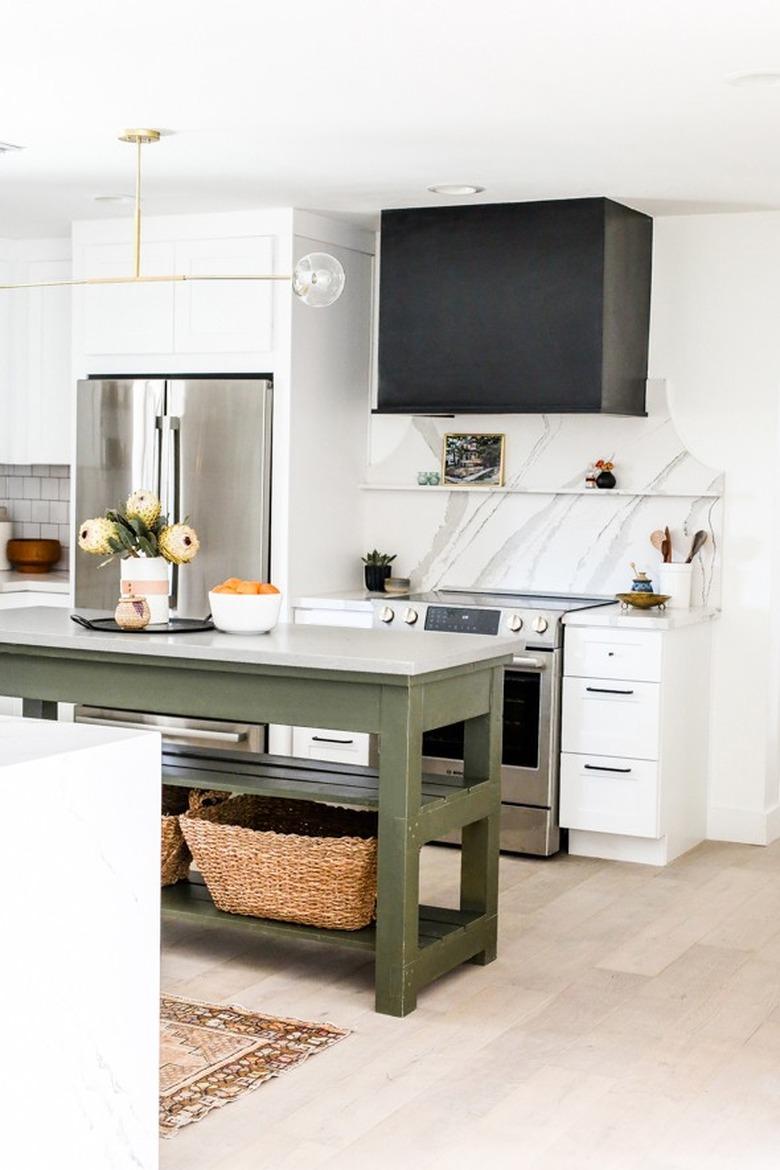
(157, 466)
(171, 428)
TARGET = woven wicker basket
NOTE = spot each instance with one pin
(297, 861)
(175, 856)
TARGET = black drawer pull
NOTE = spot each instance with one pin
(599, 768)
(607, 691)
(325, 739)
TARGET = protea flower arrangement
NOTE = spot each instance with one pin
(139, 529)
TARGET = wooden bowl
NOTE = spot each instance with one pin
(641, 600)
(33, 556)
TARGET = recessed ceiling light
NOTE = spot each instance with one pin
(755, 77)
(113, 198)
(455, 189)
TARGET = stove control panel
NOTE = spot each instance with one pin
(462, 620)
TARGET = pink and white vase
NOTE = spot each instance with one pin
(149, 577)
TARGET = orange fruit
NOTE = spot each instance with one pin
(267, 589)
(248, 587)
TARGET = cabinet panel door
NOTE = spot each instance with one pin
(228, 316)
(610, 795)
(610, 717)
(44, 431)
(126, 318)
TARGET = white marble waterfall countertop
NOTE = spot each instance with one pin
(401, 652)
(617, 618)
(80, 973)
(13, 582)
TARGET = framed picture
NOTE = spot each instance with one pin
(469, 460)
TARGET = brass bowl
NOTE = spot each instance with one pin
(397, 585)
(641, 600)
(33, 556)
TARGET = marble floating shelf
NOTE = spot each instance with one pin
(523, 491)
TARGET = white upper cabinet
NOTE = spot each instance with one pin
(126, 318)
(229, 316)
(230, 326)
(35, 362)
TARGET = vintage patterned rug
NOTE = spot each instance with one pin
(211, 1054)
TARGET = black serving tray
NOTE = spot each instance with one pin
(174, 626)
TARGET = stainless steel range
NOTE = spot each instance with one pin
(532, 697)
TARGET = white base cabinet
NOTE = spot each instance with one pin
(322, 743)
(634, 730)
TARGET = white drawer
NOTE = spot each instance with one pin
(623, 654)
(611, 717)
(357, 619)
(318, 743)
(606, 794)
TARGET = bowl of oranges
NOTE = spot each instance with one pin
(245, 607)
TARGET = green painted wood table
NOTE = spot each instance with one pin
(396, 684)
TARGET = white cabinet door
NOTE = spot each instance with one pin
(224, 316)
(611, 717)
(126, 318)
(42, 409)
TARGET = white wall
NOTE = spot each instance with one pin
(714, 336)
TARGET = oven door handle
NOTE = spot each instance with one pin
(529, 663)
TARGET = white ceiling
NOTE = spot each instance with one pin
(355, 105)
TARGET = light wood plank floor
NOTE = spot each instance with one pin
(631, 1022)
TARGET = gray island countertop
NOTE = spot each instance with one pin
(310, 647)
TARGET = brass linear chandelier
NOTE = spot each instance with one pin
(318, 278)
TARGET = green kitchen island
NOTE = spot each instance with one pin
(396, 684)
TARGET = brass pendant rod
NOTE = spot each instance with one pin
(174, 278)
(137, 269)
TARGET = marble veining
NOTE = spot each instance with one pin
(545, 539)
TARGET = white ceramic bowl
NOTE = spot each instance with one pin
(245, 613)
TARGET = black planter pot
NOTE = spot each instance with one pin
(375, 576)
(605, 479)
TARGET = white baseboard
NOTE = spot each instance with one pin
(745, 826)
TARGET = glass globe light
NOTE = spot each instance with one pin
(318, 279)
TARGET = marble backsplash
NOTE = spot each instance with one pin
(548, 532)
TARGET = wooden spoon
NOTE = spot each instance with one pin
(699, 540)
(657, 539)
(667, 546)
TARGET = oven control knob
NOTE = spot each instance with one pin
(514, 622)
(540, 624)
(386, 614)
(410, 617)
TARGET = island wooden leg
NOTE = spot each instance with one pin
(398, 876)
(480, 840)
(39, 709)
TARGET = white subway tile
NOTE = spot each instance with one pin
(21, 510)
(50, 532)
(64, 493)
(60, 470)
(40, 511)
(58, 512)
(31, 531)
(40, 469)
(50, 488)
(15, 487)
(32, 488)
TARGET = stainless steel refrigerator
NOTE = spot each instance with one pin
(204, 446)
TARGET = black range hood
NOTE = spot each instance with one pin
(515, 308)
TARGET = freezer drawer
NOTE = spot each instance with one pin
(607, 717)
(609, 795)
(205, 733)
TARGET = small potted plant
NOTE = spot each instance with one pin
(140, 535)
(605, 478)
(377, 569)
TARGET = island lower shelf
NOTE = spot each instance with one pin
(439, 928)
